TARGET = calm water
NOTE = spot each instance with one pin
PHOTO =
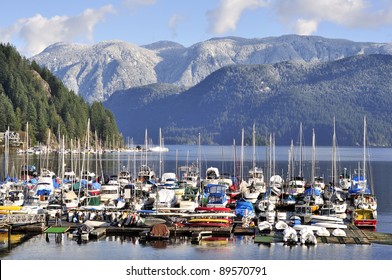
(59, 247)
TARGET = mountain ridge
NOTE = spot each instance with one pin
(96, 72)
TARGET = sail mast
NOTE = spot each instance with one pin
(313, 156)
(242, 155)
(334, 167)
(160, 153)
(364, 147)
(300, 150)
(254, 146)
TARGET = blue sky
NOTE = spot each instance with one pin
(33, 25)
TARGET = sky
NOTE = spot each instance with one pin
(31, 26)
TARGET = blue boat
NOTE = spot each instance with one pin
(216, 195)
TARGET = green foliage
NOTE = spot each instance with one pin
(29, 93)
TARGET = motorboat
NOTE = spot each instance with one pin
(216, 196)
(365, 218)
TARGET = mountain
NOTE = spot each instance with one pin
(96, 72)
(276, 97)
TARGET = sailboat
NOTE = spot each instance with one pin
(256, 184)
(364, 215)
(313, 193)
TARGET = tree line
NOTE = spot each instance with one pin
(31, 94)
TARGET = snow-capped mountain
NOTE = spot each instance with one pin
(97, 71)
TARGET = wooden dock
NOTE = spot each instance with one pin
(354, 235)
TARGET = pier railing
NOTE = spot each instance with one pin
(22, 219)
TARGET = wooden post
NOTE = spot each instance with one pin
(9, 229)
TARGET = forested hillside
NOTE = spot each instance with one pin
(32, 94)
(277, 98)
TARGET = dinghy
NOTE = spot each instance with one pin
(307, 237)
(322, 231)
(281, 225)
(338, 232)
(265, 226)
(290, 235)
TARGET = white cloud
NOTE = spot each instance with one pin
(227, 15)
(38, 32)
(304, 16)
(305, 27)
(307, 14)
(173, 23)
(135, 4)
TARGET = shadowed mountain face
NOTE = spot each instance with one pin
(276, 97)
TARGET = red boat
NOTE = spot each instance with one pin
(365, 218)
(213, 209)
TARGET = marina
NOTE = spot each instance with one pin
(200, 225)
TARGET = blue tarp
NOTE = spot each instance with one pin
(96, 186)
(357, 189)
(44, 192)
(312, 191)
(55, 184)
(244, 207)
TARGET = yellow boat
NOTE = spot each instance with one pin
(6, 209)
(365, 218)
(208, 220)
(10, 207)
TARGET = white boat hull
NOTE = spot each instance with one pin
(331, 225)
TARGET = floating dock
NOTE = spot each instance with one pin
(354, 235)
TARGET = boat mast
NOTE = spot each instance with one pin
(146, 145)
(88, 147)
(334, 167)
(300, 150)
(6, 153)
(27, 147)
(292, 158)
(160, 153)
(273, 154)
(62, 175)
(313, 156)
(270, 158)
(254, 146)
(47, 151)
(242, 155)
(199, 156)
(235, 160)
(364, 147)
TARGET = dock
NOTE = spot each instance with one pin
(354, 235)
